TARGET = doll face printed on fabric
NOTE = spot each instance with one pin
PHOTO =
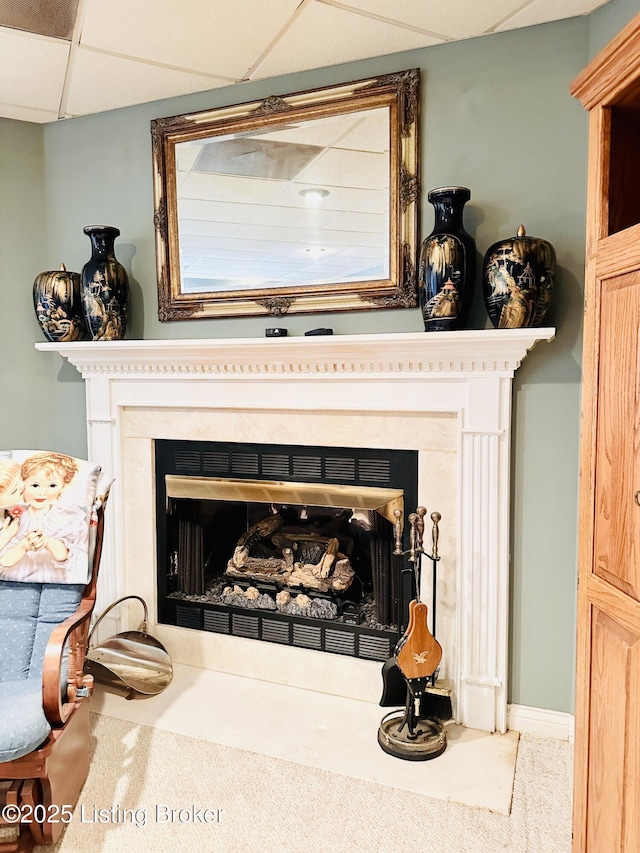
(42, 489)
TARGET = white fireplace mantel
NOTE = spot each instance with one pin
(385, 389)
(494, 351)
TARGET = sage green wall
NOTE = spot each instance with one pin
(605, 23)
(497, 117)
(39, 409)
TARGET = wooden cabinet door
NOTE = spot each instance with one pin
(608, 713)
(607, 743)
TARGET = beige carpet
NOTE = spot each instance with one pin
(260, 803)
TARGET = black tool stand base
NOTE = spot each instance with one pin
(429, 741)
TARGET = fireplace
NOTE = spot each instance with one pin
(285, 544)
(444, 396)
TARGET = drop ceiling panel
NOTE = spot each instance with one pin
(453, 19)
(365, 130)
(129, 83)
(341, 199)
(345, 168)
(540, 11)
(324, 35)
(223, 38)
(27, 114)
(225, 188)
(213, 211)
(46, 61)
(373, 223)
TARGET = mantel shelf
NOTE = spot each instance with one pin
(495, 350)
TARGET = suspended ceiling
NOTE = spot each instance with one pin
(63, 58)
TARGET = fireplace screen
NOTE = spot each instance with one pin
(285, 544)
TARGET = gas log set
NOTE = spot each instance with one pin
(285, 544)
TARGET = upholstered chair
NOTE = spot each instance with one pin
(48, 577)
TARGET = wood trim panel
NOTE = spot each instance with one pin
(613, 72)
(613, 602)
(619, 253)
(617, 472)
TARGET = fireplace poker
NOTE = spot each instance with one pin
(435, 557)
(435, 703)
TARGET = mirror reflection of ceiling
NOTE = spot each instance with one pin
(270, 208)
(55, 55)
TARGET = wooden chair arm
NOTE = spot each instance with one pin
(72, 633)
(74, 629)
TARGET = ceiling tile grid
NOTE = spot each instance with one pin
(455, 19)
(154, 49)
(129, 83)
(322, 32)
(222, 38)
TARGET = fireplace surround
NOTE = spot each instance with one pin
(446, 396)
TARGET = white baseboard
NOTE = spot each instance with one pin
(539, 721)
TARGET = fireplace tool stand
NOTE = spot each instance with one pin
(409, 733)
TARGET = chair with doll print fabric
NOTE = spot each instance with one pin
(51, 526)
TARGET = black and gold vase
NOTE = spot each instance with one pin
(518, 278)
(58, 306)
(105, 286)
(447, 263)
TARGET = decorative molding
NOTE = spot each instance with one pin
(409, 188)
(272, 105)
(406, 294)
(399, 355)
(167, 311)
(277, 306)
(409, 84)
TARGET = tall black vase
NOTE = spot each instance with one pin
(447, 263)
(105, 286)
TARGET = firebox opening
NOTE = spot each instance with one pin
(292, 561)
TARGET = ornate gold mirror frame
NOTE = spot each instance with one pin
(294, 204)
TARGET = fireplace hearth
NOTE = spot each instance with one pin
(284, 544)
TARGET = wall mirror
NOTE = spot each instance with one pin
(295, 204)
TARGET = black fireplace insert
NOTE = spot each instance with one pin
(284, 543)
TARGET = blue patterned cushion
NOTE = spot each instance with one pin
(23, 725)
(57, 602)
(28, 614)
(19, 604)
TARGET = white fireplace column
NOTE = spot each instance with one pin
(483, 559)
(465, 375)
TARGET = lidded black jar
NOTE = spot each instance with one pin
(518, 281)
